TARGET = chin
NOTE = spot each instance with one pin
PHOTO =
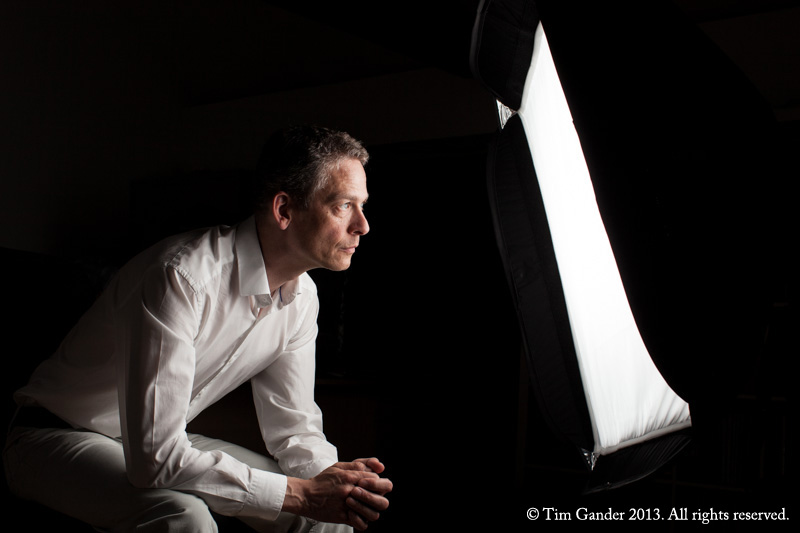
(338, 266)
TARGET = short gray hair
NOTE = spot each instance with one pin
(299, 160)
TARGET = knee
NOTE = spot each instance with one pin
(179, 514)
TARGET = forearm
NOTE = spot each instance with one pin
(322, 498)
(295, 500)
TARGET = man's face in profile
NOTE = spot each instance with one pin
(329, 231)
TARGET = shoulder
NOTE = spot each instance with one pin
(198, 257)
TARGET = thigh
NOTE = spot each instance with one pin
(82, 474)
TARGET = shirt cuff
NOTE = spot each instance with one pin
(267, 492)
(309, 470)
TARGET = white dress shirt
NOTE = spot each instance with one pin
(181, 325)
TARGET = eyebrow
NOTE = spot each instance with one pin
(349, 197)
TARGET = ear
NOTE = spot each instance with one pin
(281, 211)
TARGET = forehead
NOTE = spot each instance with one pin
(348, 180)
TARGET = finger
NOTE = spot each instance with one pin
(372, 500)
(376, 484)
(354, 477)
(356, 521)
(364, 511)
(372, 463)
(357, 465)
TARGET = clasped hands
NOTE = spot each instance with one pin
(350, 493)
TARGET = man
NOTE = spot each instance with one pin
(101, 431)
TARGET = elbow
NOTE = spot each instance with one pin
(145, 478)
(148, 475)
(157, 468)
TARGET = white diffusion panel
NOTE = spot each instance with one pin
(628, 399)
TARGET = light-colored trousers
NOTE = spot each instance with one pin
(82, 474)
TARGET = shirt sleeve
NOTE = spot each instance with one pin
(156, 333)
(290, 420)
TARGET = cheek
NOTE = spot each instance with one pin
(336, 230)
(329, 236)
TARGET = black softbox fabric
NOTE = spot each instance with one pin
(526, 248)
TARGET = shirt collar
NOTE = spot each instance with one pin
(252, 272)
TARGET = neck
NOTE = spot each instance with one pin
(276, 256)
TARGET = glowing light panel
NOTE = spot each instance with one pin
(628, 399)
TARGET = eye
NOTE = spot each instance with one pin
(349, 205)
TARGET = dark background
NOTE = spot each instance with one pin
(124, 122)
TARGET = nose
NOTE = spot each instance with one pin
(359, 224)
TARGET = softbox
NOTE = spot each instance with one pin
(632, 250)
